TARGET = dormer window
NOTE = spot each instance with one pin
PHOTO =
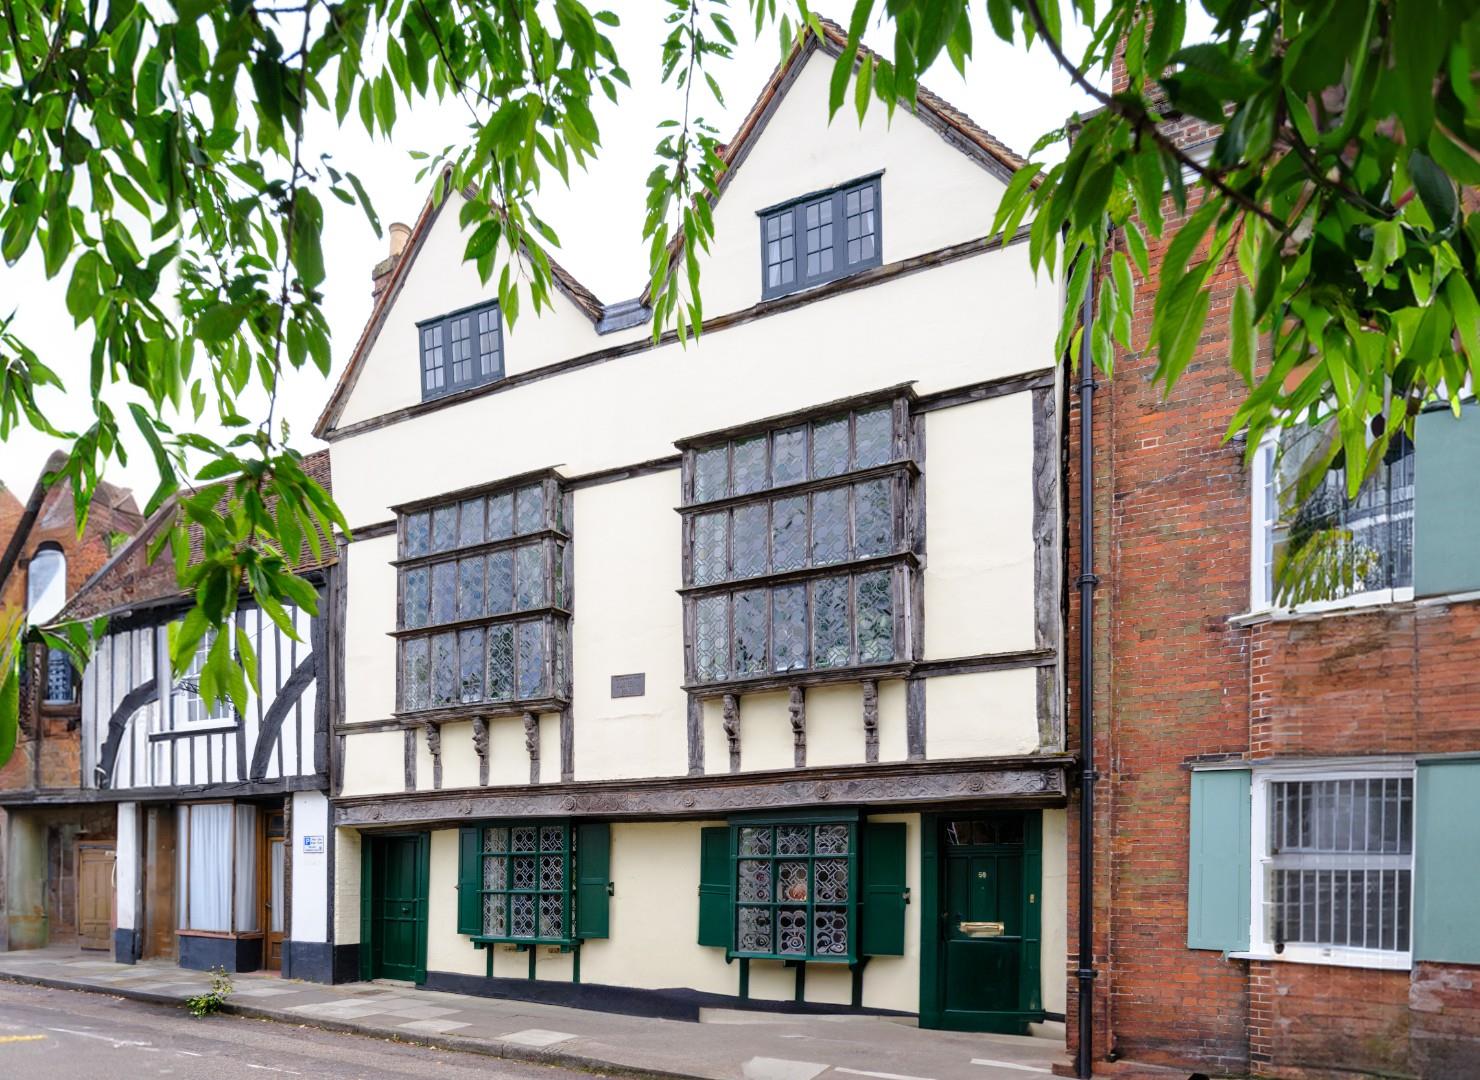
(820, 237)
(463, 349)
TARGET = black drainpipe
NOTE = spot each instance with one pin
(1086, 581)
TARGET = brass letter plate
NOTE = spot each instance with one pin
(983, 929)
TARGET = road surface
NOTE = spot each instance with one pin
(66, 1035)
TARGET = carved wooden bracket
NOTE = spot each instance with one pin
(798, 710)
(532, 745)
(434, 746)
(480, 747)
(731, 727)
(870, 720)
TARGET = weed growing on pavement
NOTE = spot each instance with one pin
(210, 1002)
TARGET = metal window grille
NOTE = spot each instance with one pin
(59, 683)
(1340, 870)
(527, 871)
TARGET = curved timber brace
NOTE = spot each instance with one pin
(132, 702)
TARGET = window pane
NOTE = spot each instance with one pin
(529, 562)
(500, 582)
(789, 456)
(709, 548)
(469, 588)
(530, 508)
(500, 662)
(432, 374)
(501, 516)
(831, 840)
(461, 342)
(711, 473)
(858, 205)
(490, 347)
(710, 658)
(755, 880)
(470, 523)
(416, 678)
(750, 465)
(819, 221)
(58, 676)
(755, 930)
(791, 931)
(789, 533)
(789, 625)
(444, 528)
(830, 447)
(752, 608)
(780, 250)
(875, 618)
(873, 518)
(830, 526)
(830, 931)
(832, 643)
(470, 647)
(531, 659)
(751, 529)
(415, 597)
(444, 669)
(418, 534)
(873, 437)
(444, 592)
(209, 867)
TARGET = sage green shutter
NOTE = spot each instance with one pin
(469, 881)
(1446, 502)
(715, 907)
(1218, 864)
(593, 879)
(884, 893)
(1446, 862)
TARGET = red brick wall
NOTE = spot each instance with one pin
(1176, 680)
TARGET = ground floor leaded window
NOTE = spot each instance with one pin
(527, 883)
(795, 891)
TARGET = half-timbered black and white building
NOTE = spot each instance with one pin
(222, 815)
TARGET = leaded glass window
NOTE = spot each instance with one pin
(799, 546)
(483, 610)
(836, 231)
(461, 350)
(796, 886)
(527, 882)
(60, 685)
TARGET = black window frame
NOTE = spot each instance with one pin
(897, 565)
(446, 368)
(836, 199)
(545, 616)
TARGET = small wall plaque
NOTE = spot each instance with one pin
(629, 685)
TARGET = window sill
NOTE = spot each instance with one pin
(483, 941)
(474, 709)
(896, 669)
(1323, 608)
(845, 960)
(1333, 957)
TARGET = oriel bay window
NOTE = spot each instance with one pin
(484, 599)
(534, 882)
(799, 544)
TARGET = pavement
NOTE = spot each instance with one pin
(724, 1045)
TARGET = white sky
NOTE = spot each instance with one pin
(1015, 95)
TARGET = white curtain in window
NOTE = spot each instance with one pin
(277, 854)
(210, 867)
(46, 585)
(246, 867)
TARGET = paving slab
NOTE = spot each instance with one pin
(724, 1045)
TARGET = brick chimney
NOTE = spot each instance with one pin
(380, 276)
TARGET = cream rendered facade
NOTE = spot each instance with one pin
(960, 335)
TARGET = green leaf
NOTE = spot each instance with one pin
(218, 322)
(10, 709)
(1435, 189)
(1243, 335)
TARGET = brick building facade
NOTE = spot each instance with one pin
(1186, 676)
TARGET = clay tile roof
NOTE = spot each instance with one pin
(128, 579)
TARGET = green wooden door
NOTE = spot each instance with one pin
(398, 908)
(986, 962)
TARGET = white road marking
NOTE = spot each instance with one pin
(881, 1075)
(1008, 1065)
(269, 1068)
(101, 1038)
(188, 1053)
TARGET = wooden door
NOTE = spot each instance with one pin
(95, 896)
(159, 884)
(274, 890)
(989, 922)
(398, 906)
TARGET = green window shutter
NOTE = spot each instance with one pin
(469, 881)
(1446, 502)
(884, 893)
(1446, 862)
(715, 907)
(1218, 865)
(593, 879)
